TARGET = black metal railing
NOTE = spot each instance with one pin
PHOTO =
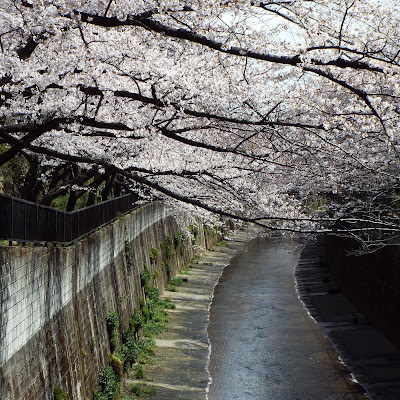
(23, 221)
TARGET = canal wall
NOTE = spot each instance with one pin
(371, 281)
(54, 300)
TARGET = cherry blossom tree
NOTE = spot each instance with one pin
(282, 113)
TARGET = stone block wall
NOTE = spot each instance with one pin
(54, 301)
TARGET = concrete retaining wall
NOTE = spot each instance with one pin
(371, 282)
(54, 302)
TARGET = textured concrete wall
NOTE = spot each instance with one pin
(54, 302)
(371, 282)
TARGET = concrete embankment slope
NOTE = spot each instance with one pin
(182, 353)
(55, 300)
(374, 360)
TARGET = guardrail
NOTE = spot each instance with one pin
(24, 221)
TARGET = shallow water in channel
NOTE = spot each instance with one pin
(263, 344)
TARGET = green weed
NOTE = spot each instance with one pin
(153, 255)
(196, 259)
(112, 319)
(154, 328)
(167, 245)
(185, 270)
(109, 386)
(59, 394)
(139, 371)
(144, 276)
(193, 230)
(141, 388)
(177, 281)
(178, 242)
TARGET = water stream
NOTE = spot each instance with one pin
(263, 344)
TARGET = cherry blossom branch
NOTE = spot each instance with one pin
(156, 26)
(260, 221)
(170, 134)
(36, 130)
(212, 116)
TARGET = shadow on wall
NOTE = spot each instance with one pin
(371, 281)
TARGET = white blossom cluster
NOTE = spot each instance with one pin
(249, 108)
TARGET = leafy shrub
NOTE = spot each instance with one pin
(193, 230)
(154, 294)
(147, 289)
(59, 394)
(156, 274)
(109, 386)
(139, 388)
(155, 303)
(144, 310)
(153, 255)
(177, 239)
(126, 333)
(154, 328)
(166, 303)
(144, 276)
(168, 269)
(177, 281)
(178, 242)
(157, 312)
(167, 245)
(129, 353)
(185, 270)
(112, 318)
(99, 395)
(196, 259)
(136, 389)
(174, 283)
(136, 322)
(139, 371)
(114, 340)
(147, 345)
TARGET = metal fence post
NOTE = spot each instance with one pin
(12, 218)
(37, 222)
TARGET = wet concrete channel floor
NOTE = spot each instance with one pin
(264, 345)
(180, 368)
(271, 350)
